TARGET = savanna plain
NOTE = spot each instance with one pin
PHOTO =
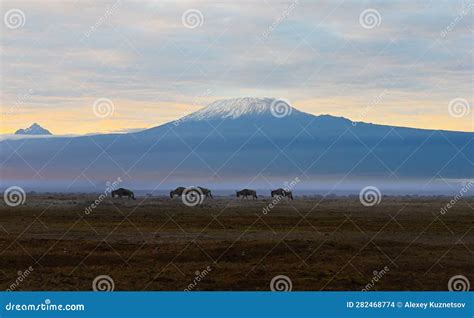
(158, 243)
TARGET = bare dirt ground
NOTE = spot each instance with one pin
(161, 244)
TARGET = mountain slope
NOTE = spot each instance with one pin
(34, 129)
(242, 140)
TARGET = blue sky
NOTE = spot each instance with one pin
(409, 64)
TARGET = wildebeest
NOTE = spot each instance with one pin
(245, 193)
(178, 191)
(206, 192)
(121, 192)
(283, 193)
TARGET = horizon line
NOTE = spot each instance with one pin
(141, 129)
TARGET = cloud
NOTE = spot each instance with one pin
(140, 52)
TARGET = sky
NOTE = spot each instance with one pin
(79, 67)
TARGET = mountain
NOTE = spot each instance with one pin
(239, 107)
(34, 129)
(232, 143)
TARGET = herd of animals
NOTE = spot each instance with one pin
(245, 193)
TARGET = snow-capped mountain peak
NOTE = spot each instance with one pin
(34, 129)
(238, 107)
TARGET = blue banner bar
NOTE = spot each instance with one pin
(237, 304)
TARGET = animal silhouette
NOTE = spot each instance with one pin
(178, 191)
(206, 192)
(245, 193)
(283, 193)
(121, 192)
